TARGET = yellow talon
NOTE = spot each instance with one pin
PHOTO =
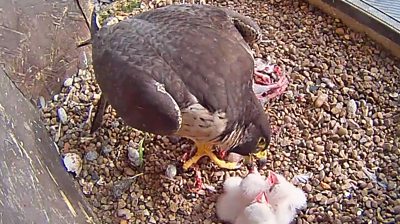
(206, 150)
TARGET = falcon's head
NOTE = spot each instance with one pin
(254, 133)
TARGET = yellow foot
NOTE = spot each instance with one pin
(206, 150)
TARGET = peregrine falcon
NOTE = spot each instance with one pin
(184, 70)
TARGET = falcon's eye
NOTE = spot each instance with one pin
(262, 143)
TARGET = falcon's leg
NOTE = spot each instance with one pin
(206, 150)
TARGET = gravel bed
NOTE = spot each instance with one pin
(338, 123)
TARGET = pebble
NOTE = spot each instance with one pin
(121, 204)
(129, 171)
(394, 95)
(110, 21)
(68, 82)
(328, 82)
(106, 149)
(302, 156)
(170, 171)
(62, 115)
(337, 109)
(340, 31)
(342, 131)
(308, 188)
(134, 156)
(351, 107)
(121, 187)
(325, 186)
(352, 124)
(124, 213)
(91, 155)
(321, 99)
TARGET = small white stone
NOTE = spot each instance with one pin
(42, 102)
(133, 156)
(328, 82)
(96, 96)
(110, 21)
(124, 213)
(321, 99)
(62, 115)
(351, 107)
(68, 82)
(393, 95)
(170, 171)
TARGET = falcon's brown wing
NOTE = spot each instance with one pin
(125, 67)
(196, 58)
(231, 24)
(206, 50)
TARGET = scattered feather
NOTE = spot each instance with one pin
(73, 163)
(301, 178)
(374, 178)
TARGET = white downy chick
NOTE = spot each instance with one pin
(257, 213)
(238, 194)
(252, 185)
(284, 197)
(228, 204)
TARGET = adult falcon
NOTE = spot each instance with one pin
(184, 70)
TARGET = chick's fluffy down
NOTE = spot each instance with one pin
(257, 213)
(285, 199)
(252, 185)
(228, 204)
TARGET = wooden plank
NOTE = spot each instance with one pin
(34, 187)
(37, 43)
